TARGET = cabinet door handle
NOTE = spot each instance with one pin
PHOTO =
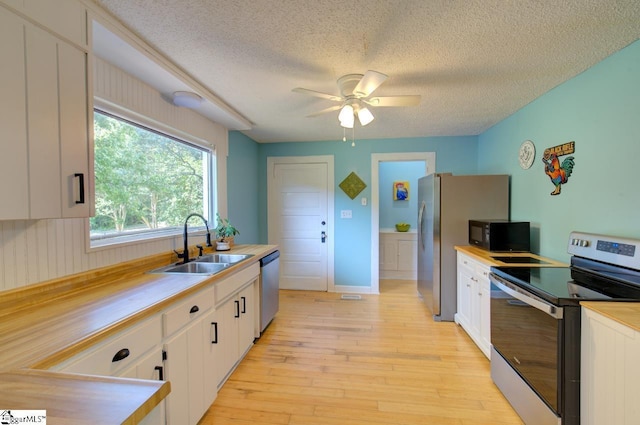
(244, 304)
(214, 325)
(194, 309)
(81, 187)
(121, 355)
(237, 309)
(160, 370)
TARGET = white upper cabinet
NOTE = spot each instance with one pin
(13, 120)
(66, 18)
(44, 113)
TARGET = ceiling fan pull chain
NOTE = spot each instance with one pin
(353, 136)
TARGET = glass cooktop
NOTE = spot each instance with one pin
(519, 260)
(564, 285)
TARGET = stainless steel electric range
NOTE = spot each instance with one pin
(535, 323)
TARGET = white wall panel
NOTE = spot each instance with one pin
(38, 250)
(33, 251)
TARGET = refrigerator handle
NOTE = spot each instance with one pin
(421, 224)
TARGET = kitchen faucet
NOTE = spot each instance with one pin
(185, 253)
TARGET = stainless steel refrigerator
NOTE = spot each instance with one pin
(446, 203)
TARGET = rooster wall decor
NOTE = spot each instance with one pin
(558, 172)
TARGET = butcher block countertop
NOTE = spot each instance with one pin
(489, 258)
(42, 325)
(627, 314)
(80, 399)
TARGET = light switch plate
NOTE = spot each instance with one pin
(363, 201)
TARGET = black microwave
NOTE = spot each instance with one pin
(500, 235)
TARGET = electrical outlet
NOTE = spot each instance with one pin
(345, 214)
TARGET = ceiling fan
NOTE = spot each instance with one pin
(356, 91)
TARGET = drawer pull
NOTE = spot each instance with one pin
(160, 370)
(194, 309)
(121, 355)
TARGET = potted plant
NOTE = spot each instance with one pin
(224, 233)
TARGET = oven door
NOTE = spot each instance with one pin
(526, 331)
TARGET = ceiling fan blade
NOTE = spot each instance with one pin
(317, 94)
(369, 82)
(403, 100)
(324, 111)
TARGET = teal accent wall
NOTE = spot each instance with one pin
(352, 262)
(242, 187)
(599, 110)
(392, 212)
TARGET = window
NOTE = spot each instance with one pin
(146, 182)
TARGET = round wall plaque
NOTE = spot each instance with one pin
(527, 154)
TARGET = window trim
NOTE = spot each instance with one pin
(134, 118)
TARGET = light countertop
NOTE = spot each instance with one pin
(489, 258)
(43, 325)
(625, 313)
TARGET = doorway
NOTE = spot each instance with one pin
(429, 160)
(300, 213)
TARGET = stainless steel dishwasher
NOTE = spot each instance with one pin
(269, 288)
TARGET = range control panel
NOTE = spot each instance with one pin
(609, 249)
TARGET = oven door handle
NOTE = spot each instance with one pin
(520, 294)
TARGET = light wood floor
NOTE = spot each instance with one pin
(377, 360)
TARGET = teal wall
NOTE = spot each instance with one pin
(352, 262)
(242, 184)
(599, 110)
(392, 212)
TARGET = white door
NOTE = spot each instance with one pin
(300, 213)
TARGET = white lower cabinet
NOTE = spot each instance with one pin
(184, 347)
(398, 255)
(134, 353)
(235, 319)
(121, 354)
(194, 344)
(184, 366)
(474, 301)
(213, 325)
(609, 371)
(150, 367)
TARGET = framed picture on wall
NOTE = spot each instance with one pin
(401, 191)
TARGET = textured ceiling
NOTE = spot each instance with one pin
(474, 62)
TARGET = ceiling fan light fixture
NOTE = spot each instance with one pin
(186, 99)
(346, 116)
(365, 116)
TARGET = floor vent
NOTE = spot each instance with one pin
(350, 297)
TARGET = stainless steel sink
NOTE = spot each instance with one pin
(223, 258)
(193, 268)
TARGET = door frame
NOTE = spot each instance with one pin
(429, 159)
(312, 159)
